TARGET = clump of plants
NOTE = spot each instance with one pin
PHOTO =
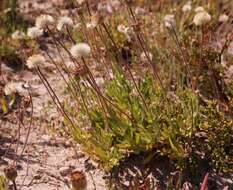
(134, 89)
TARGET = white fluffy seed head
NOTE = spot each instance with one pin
(144, 57)
(10, 88)
(122, 28)
(201, 18)
(44, 21)
(80, 50)
(80, 2)
(35, 61)
(169, 20)
(14, 87)
(199, 9)
(34, 32)
(64, 21)
(187, 7)
(18, 35)
(223, 18)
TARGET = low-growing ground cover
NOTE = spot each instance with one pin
(146, 79)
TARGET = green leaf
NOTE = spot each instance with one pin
(4, 105)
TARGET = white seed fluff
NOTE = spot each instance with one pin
(187, 7)
(169, 20)
(80, 1)
(199, 9)
(201, 18)
(80, 50)
(44, 21)
(145, 57)
(14, 87)
(223, 18)
(64, 21)
(35, 61)
(34, 32)
(18, 35)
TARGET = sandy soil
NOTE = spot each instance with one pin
(50, 157)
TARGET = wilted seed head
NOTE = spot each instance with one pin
(34, 32)
(64, 21)
(80, 71)
(10, 173)
(80, 50)
(187, 7)
(18, 35)
(201, 18)
(223, 18)
(35, 61)
(169, 20)
(44, 21)
(199, 9)
(78, 180)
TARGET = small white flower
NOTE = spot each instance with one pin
(145, 57)
(35, 61)
(44, 21)
(77, 26)
(127, 31)
(100, 81)
(122, 28)
(187, 7)
(80, 50)
(64, 21)
(140, 11)
(14, 87)
(34, 32)
(169, 20)
(80, 1)
(199, 9)
(201, 18)
(223, 18)
(18, 35)
(91, 25)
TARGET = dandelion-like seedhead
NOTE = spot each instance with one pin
(144, 58)
(187, 7)
(34, 32)
(122, 28)
(10, 88)
(80, 2)
(201, 18)
(63, 22)
(140, 11)
(14, 87)
(108, 7)
(169, 20)
(18, 35)
(223, 18)
(80, 50)
(35, 61)
(199, 9)
(44, 21)
(95, 20)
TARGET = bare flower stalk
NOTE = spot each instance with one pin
(54, 97)
(141, 43)
(127, 67)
